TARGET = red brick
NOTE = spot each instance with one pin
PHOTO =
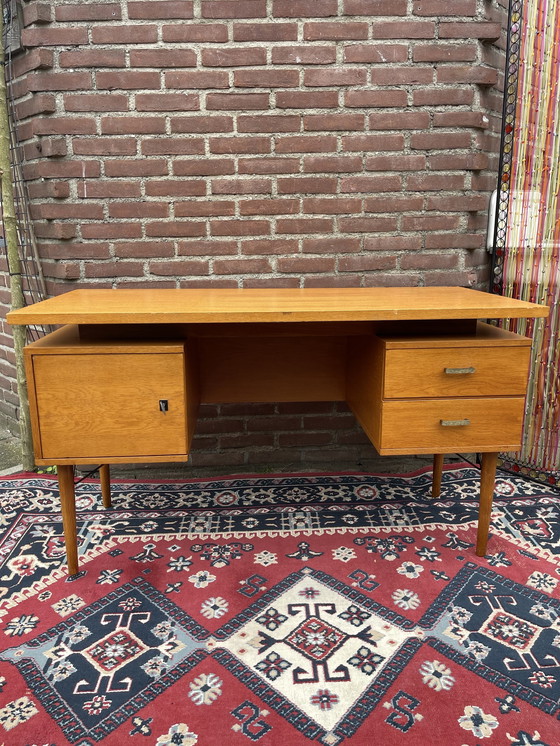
(393, 243)
(307, 99)
(143, 167)
(180, 268)
(414, 75)
(95, 102)
(269, 246)
(52, 189)
(303, 8)
(470, 30)
(307, 185)
(476, 119)
(241, 186)
(266, 78)
(53, 81)
(143, 249)
(37, 12)
(233, 9)
(203, 167)
(46, 147)
(268, 123)
(478, 74)
(106, 189)
(161, 9)
(240, 144)
(306, 144)
(304, 225)
(367, 225)
(92, 58)
(76, 251)
(239, 227)
(375, 98)
(331, 245)
(204, 208)
(400, 120)
(265, 31)
(268, 165)
(335, 30)
(404, 30)
(196, 79)
(375, 7)
(457, 162)
(368, 263)
(195, 32)
(443, 97)
(396, 163)
(436, 182)
(35, 59)
(429, 261)
(376, 53)
(330, 206)
(173, 146)
(306, 264)
(60, 231)
(162, 58)
(444, 8)
(104, 146)
(176, 228)
(62, 270)
(336, 77)
(88, 12)
(357, 184)
(393, 203)
(138, 210)
(332, 163)
(53, 37)
(167, 102)
(64, 211)
(438, 52)
(64, 126)
(440, 140)
(241, 266)
(200, 247)
(124, 34)
(112, 269)
(111, 230)
(127, 80)
(454, 240)
(308, 55)
(330, 122)
(202, 124)
(233, 57)
(128, 125)
(41, 103)
(375, 142)
(430, 222)
(237, 101)
(175, 188)
(460, 203)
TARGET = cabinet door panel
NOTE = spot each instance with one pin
(100, 406)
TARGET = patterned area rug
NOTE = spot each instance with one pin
(285, 610)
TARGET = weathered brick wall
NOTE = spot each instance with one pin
(261, 143)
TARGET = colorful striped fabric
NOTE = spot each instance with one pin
(528, 232)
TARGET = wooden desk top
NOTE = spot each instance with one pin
(213, 305)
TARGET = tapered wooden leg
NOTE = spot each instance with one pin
(487, 483)
(436, 474)
(68, 504)
(105, 479)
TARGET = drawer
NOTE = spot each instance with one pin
(415, 426)
(456, 371)
(98, 406)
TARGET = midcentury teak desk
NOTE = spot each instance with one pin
(121, 380)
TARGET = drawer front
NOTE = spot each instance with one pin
(456, 371)
(451, 425)
(101, 406)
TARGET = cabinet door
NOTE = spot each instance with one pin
(110, 405)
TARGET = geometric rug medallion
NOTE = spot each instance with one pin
(298, 609)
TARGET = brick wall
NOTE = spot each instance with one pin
(258, 143)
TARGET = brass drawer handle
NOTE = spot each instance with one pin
(454, 423)
(458, 371)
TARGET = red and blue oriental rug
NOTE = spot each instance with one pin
(303, 609)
